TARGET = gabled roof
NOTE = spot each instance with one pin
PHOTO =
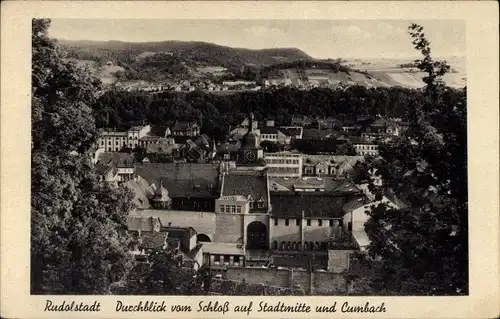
(229, 147)
(314, 205)
(162, 148)
(239, 183)
(116, 159)
(312, 133)
(183, 126)
(292, 183)
(186, 179)
(142, 191)
(291, 131)
(103, 169)
(158, 130)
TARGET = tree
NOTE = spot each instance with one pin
(168, 275)
(421, 248)
(78, 229)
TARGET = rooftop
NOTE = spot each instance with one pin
(268, 130)
(222, 248)
(186, 179)
(141, 189)
(314, 205)
(113, 133)
(234, 198)
(183, 126)
(246, 183)
(360, 140)
(291, 183)
(116, 159)
(291, 131)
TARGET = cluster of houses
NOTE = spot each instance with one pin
(235, 204)
(189, 86)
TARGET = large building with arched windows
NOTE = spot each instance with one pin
(247, 221)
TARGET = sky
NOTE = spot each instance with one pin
(318, 38)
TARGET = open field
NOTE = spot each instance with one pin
(388, 72)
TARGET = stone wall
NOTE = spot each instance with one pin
(322, 282)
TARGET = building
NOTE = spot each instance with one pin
(182, 128)
(329, 165)
(363, 146)
(311, 221)
(151, 235)
(284, 164)
(189, 186)
(292, 132)
(250, 151)
(112, 141)
(308, 184)
(381, 127)
(252, 185)
(356, 216)
(274, 135)
(116, 167)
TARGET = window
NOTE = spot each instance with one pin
(260, 204)
(308, 222)
(297, 222)
(228, 209)
(226, 258)
(238, 209)
(233, 209)
(287, 222)
(221, 208)
(102, 142)
(276, 222)
(236, 259)
(331, 222)
(320, 222)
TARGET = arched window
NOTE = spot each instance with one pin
(306, 246)
(288, 246)
(311, 245)
(282, 245)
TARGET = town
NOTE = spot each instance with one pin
(194, 168)
(281, 217)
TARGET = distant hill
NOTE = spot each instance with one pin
(202, 52)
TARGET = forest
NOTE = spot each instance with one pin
(217, 113)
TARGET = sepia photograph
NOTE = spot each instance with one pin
(249, 158)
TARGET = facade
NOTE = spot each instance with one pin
(122, 166)
(364, 147)
(283, 164)
(185, 129)
(112, 141)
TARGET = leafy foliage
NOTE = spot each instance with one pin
(421, 248)
(218, 113)
(78, 237)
